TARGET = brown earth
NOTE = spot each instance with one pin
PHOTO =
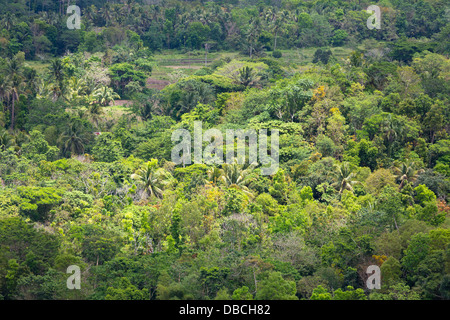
(184, 67)
(156, 84)
(120, 102)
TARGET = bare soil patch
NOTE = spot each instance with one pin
(156, 83)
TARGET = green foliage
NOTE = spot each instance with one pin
(324, 55)
(124, 290)
(320, 293)
(213, 278)
(242, 294)
(398, 291)
(124, 73)
(274, 287)
(22, 246)
(234, 201)
(267, 204)
(37, 203)
(277, 54)
(38, 148)
(99, 245)
(86, 179)
(107, 149)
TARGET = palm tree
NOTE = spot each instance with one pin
(278, 21)
(95, 111)
(106, 13)
(105, 95)
(74, 139)
(153, 179)
(237, 176)
(116, 15)
(344, 177)
(6, 139)
(32, 81)
(214, 174)
(20, 138)
(77, 88)
(43, 89)
(246, 76)
(57, 73)
(8, 21)
(90, 13)
(57, 90)
(144, 109)
(128, 4)
(14, 66)
(57, 70)
(275, 20)
(3, 88)
(390, 130)
(253, 34)
(15, 85)
(405, 172)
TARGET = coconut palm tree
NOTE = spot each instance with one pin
(405, 172)
(104, 95)
(32, 81)
(13, 83)
(14, 66)
(74, 138)
(252, 34)
(95, 112)
(3, 88)
(77, 88)
(43, 89)
(154, 179)
(57, 70)
(8, 20)
(246, 76)
(344, 177)
(6, 140)
(90, 13)
(57, 73)
(214, 174)
(20, 138)
(16, 83)
(105, 13)
(237, 176)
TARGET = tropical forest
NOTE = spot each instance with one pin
(92, 92)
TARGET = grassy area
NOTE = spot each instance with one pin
(195, 54)
(41, 67)
(115, 111)
(187, 63)
(169, 61)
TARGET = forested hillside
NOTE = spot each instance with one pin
(87, 176)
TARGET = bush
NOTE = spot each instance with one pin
(277, 54)
(322, 56)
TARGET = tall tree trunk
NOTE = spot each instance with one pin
(206, 54)
(395, 222)
(275, 41)
(12, 113)
(254, 279)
